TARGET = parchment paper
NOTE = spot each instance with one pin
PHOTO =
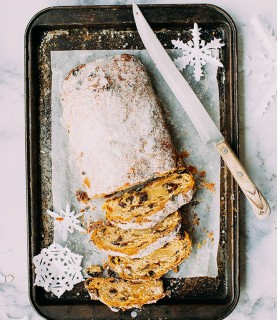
(202, 220)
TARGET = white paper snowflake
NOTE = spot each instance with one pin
(66, 221)
(57, 269)
(197, 53)
(259, 62)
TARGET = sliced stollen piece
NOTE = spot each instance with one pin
(135, 243)
(154, 265)
(145, 206)
(122, 294)
(116, 130)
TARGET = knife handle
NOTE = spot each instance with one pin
(252, 193)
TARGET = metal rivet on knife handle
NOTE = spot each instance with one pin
(252, 193)
(239, 174)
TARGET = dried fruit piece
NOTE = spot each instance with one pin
(94, 271)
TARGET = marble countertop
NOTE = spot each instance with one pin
(257, 105)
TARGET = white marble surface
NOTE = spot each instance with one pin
(258, 153)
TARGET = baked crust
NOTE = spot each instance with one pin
(133, 242)
(154, 265)
(122, 294)
(117, 133)
(146, 206)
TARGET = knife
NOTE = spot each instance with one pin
(198, 114)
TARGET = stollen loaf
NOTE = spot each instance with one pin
(116, 130)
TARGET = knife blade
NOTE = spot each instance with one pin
(197, 113)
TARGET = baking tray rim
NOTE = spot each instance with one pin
(231, 304)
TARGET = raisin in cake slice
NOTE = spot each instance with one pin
(122, 294)
(135, 243)
(145, 207)
(154, 265)
(117, 133)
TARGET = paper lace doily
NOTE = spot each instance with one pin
(57, 269)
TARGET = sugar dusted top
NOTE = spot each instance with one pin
(116, 129)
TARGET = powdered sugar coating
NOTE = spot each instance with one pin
(116, 129)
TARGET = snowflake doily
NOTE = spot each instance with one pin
(57, 269)
(259, 62)
(197, 52)
(66, 221)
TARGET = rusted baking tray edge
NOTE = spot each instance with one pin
(194, 304)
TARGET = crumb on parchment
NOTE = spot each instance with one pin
(199, 178)
(196, 219)
(209, 236)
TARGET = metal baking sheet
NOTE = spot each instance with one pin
(67, 28)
